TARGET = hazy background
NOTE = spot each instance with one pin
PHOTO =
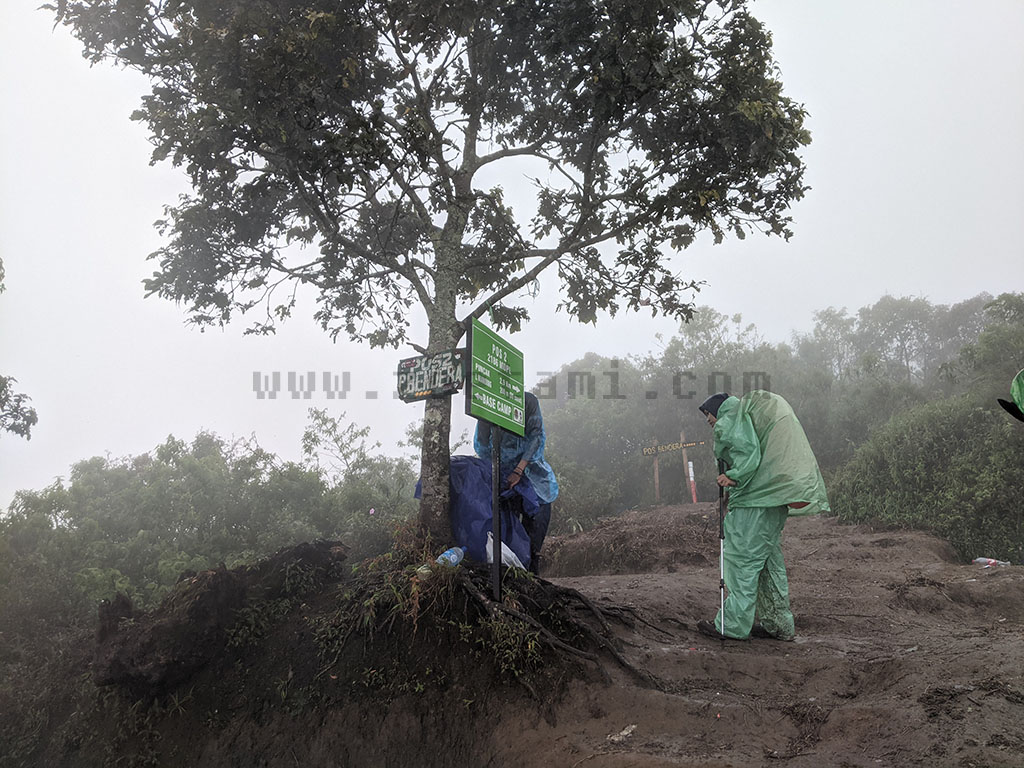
(916, 169)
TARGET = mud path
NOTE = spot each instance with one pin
(902, 656)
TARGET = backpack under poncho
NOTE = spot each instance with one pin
(761, 440)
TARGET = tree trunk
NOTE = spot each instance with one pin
(445, 333)
(434, 465)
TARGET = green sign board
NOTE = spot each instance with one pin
(494, 386)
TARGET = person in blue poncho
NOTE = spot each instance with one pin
(771, 474)
(524, 456)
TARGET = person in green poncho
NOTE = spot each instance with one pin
(771, 474)
(1015, 406)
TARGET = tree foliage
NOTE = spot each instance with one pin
(352, 148)
(950, 467)
(371, 494)
(16, 416)
(360, 127)
(843, 382)
(134, 524)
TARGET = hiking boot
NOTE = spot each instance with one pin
(708, 628)
(759, 631)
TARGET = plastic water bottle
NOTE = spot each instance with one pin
(451, 556)
(988, 561)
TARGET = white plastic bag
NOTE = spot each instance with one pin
(508, 557)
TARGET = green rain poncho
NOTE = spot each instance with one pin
(760, 439)
(767, 454)
(1015, 407)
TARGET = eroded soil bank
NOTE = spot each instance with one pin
(903, 657)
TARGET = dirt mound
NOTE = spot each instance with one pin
(639, 541)
(902, 657)
(234, 663)
(152, 654)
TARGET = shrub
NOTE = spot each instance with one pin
(950, 467)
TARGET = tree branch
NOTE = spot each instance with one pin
(501, 154)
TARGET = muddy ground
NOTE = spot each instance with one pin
(903, 657)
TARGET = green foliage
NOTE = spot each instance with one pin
(16, 416)
(95, 584)
(951, 467)
(359, 127)
(136, 523)
(369, 495)
(846, 379)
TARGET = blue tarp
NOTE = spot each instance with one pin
(470, 509)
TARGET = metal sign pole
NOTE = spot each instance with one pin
(495, 511)
(494, 394)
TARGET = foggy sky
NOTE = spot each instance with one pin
(916, 168)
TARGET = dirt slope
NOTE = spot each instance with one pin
(903, 657)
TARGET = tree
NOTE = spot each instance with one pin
(832, 343)
(347, 146)
(707, 339)
(987, 365)
(15, 414)
(370, 494)
(896, 332)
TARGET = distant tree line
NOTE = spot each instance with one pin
(951, 465)
(847, 379)
(135, 524)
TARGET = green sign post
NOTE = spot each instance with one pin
(494, 393)
(494, 386)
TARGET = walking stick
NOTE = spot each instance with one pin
(721, 544)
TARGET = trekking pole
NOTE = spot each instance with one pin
(721, 544)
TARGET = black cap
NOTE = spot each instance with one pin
(712, 404)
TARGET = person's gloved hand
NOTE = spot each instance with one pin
(514, 477)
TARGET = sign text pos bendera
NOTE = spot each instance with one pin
(494, 393)
(437, 375)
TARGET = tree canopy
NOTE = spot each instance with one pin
(351, 147)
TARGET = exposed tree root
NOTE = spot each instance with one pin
(530, 600)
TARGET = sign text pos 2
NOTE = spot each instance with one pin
(431, 375)
(494, 386)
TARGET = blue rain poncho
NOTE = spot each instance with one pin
(514, 447)
(470, 509)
